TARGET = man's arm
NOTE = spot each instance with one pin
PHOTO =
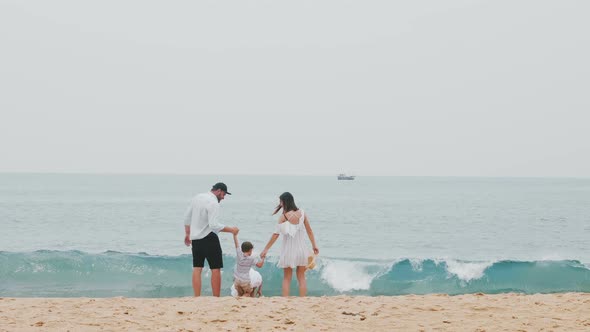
(188, 215)
(213, 214)
(187, 235)
(228, 229)
(187, 225)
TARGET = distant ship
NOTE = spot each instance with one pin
(345, 177)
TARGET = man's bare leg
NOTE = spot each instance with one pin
(197, 280)
(216, 281)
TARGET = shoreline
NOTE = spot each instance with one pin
(474, 312)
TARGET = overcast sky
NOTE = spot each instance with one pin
(467, 88)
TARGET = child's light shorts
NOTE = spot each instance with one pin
(255, 281)
(243, 287)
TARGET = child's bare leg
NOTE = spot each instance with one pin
(239, 290)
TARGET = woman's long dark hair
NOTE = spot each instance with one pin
(288, 203)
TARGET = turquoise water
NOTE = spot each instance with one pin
(74, 273)
(109, 235)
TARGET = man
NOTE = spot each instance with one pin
(201, 228)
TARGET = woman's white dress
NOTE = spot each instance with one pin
(295, 250)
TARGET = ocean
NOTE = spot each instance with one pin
(80, 235)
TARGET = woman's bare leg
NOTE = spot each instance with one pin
(287, 275)
(301, 280)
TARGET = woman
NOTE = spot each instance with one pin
(295, 251)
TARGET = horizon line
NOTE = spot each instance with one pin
(286, 174)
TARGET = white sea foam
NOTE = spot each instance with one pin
(552, 257)
(38, 268)
(467, 271)
(416, 264)
(346, 276)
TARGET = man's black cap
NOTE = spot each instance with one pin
(222, 186)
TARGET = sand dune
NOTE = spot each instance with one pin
(477, 312)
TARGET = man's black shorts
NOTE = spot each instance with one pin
(207, 248)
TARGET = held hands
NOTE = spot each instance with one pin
(235, 231)
(263, 254)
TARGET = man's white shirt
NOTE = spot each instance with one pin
(202, 216)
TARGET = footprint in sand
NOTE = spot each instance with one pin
(480, 308)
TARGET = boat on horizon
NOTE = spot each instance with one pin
(343, 176)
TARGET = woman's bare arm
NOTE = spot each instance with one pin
(272, 240)
(311, 236)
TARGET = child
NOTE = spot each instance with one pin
(255, 282)
(244, 261)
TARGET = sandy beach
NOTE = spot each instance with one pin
(476, 312)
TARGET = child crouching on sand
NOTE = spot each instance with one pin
(244, 261)
(255, 282)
